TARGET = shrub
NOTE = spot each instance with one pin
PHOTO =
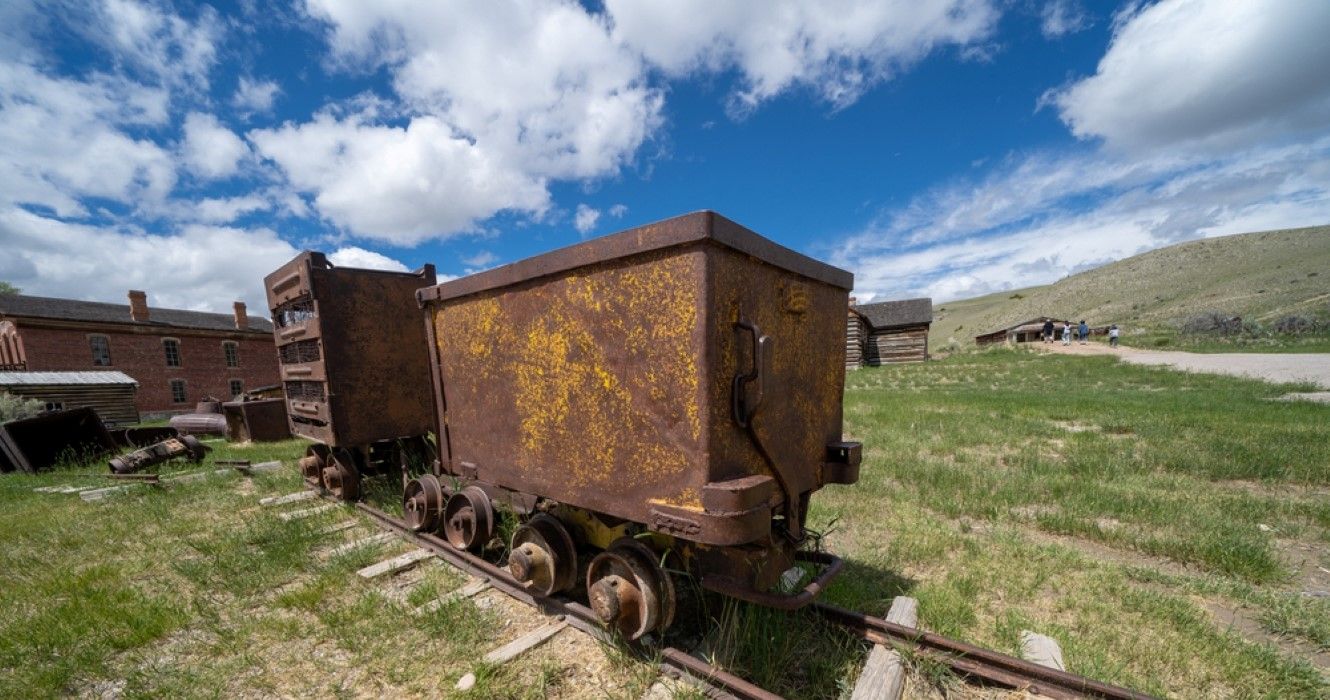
(15, 407)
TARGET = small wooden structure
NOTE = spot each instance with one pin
(1031, 331)
(111, 394)
(887, 332)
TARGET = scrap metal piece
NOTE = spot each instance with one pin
(261, 420)
(185, 446)
(41, 442)
(543, 556)
(199, 423)
(142, 436)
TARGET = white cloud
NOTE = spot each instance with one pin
(211, 150)
(196, 267)
(224, 210)
(83, 150)
(402, 185)
(255, 96)
(585, 219)
(351, 256)
(481, 260)
(155, 41)
(1062, 17)
(618, 210)
(1206, 74)
(837, 49)
(1029, 224)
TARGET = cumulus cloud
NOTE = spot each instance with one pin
(618, 210)
(211, 150)
(84, 149)
(480, 261)
(351, 256)
(585, 219)
(195, 267)
(837, 49)
(154, 41)
(1062, 17)
(255, 96)
(1206, 75)
(398, 184)
(1028, 223)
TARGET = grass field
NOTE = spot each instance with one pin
(1166, 528)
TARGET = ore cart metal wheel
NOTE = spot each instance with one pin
(468, 519)
(422, 503)
(543, 556)
(629, 591)
(312, 465)
(341, 478)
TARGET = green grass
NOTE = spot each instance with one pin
(1170, 339)
(1011, 490)
(194, 590)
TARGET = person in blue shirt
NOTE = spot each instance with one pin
(1084, 332)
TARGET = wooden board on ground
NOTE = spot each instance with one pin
(366, 542)
(470, 589)
(288, 498)
(298, 514)
(522, 644)
(395, 564)
(883, 677)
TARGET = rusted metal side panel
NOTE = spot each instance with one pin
(41, 442)
(353, 351)
(585, 386)
(263, 420)
(802, 378)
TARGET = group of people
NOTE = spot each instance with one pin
(1080, 332)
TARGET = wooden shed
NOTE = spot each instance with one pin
(887, 332)
(111, 394)
(1024, 332)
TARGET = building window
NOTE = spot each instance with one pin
(237, 387)
(177, 391)
(101, 350)
(172, 348)
(231, 352)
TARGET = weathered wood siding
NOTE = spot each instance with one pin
(908, 344)
(855, 332)
(114, 403)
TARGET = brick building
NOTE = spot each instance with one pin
(176, 356)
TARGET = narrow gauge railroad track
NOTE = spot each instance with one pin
(975, 663)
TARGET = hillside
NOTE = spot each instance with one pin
(1259, 276)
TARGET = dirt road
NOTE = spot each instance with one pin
(1272, 367)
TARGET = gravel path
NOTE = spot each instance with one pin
(1272, 367)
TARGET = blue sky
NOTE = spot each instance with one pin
(947, 148)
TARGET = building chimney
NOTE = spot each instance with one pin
(138, 306)
(242, 318)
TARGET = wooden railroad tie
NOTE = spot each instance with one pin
(524, 643)
(353, 546)
(398, 563)
(883, 677)
(470, 589)
(288, 498)
(338, 527)
(299, 514)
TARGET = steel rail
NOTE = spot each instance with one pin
(974, 662)
(716, 683)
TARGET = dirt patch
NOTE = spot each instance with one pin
(1239, 622)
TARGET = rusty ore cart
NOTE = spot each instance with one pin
(354, 368)
(666, 395)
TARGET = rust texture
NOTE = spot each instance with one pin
(353, 352)
(199, 423)
(185, 446)
(261, 420)
(41, 442)
(686, 375)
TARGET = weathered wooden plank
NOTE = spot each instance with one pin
(338, 527)
(288, 498)
(470, 589)
(524, 643)
(365, 542)
(398, 563)
(299, 514)
(883, 676)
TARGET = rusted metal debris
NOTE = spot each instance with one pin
(260, 420)
(41, 442)
(142, 436)
(185, 446)
(199, 423)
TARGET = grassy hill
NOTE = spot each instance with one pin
(1259, 276)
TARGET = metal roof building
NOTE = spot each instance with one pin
(110, 394)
